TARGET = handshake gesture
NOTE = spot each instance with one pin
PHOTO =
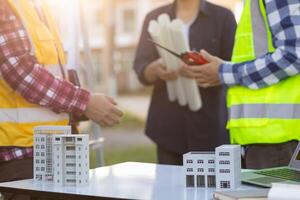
(103, 110)
(206, 75)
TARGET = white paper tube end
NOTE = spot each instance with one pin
(177, 24)
(153, 27)
(164, 20)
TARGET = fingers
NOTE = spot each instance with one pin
(167, 75)
(117, 112)
(111, 100)
(207, 56)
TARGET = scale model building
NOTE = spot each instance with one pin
(71, 160)
(60, 156)
(208, 169)
(228, 166)
(200, 169)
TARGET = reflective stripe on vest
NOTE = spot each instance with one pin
(271, 114)
(270, 111)
(18, 117)
(29, 115)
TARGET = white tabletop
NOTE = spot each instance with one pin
(126, 180)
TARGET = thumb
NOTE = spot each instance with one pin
(207, 56)
(111, 100)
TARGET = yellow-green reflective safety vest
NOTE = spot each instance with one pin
(271, 114)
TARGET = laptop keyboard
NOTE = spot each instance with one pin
(283, 173)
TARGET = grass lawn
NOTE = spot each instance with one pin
(135, 153)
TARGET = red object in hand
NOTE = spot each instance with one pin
(189, 58)
(193, 58)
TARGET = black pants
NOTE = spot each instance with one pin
(167, 157)
(16, 170)
(260, 156)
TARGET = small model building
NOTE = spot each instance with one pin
(43, 169)
(71, 160)
(200, 169)
(60, 156)
(228, 166)
(208, 169)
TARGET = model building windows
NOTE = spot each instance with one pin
(225, 184)
(189, 169)
(224, 162)
(71, 181)
(71, 173)
(42, 139)
(71, 165)
(37, 161)
(70, 156)
(57, 139)
(200, 170)
(200, 181)
(211, 162)
(211, 170)
(42, 169)
(224, 154)
(70, 148)
(211, 181)
(42, 153)
(189, 161)
(190, 182)
(79, 139)
(42, 146)
(200, 161)
(224, 171)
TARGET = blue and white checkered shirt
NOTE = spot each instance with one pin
(284, 21)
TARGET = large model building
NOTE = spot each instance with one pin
(60, 156)
(43, 169)
(208, 169)
(71, 160)
(200, 169)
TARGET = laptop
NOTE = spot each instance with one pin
(289, 174)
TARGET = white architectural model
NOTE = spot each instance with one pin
(71, 160)
(200, 169)
(228, 166)
(60, 156)
(208, 169)
(43, 170)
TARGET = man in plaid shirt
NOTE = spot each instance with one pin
(284, 23)
(23, 74)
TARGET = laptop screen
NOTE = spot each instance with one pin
(295, 161)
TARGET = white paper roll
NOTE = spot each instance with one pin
(171, 61)
(190, 86)
(154, 30)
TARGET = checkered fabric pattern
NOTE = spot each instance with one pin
(284, 21)
(25, 75)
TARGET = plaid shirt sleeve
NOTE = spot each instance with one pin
(284, 21)
(24, 74)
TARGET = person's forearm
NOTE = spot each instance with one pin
(21, 71)
(272, 67)
(35, 84)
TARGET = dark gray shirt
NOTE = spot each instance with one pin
(174, 127)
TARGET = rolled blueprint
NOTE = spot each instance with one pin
(154, 30)
(171, 61)
(181, 45)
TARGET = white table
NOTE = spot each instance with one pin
(122, 181)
